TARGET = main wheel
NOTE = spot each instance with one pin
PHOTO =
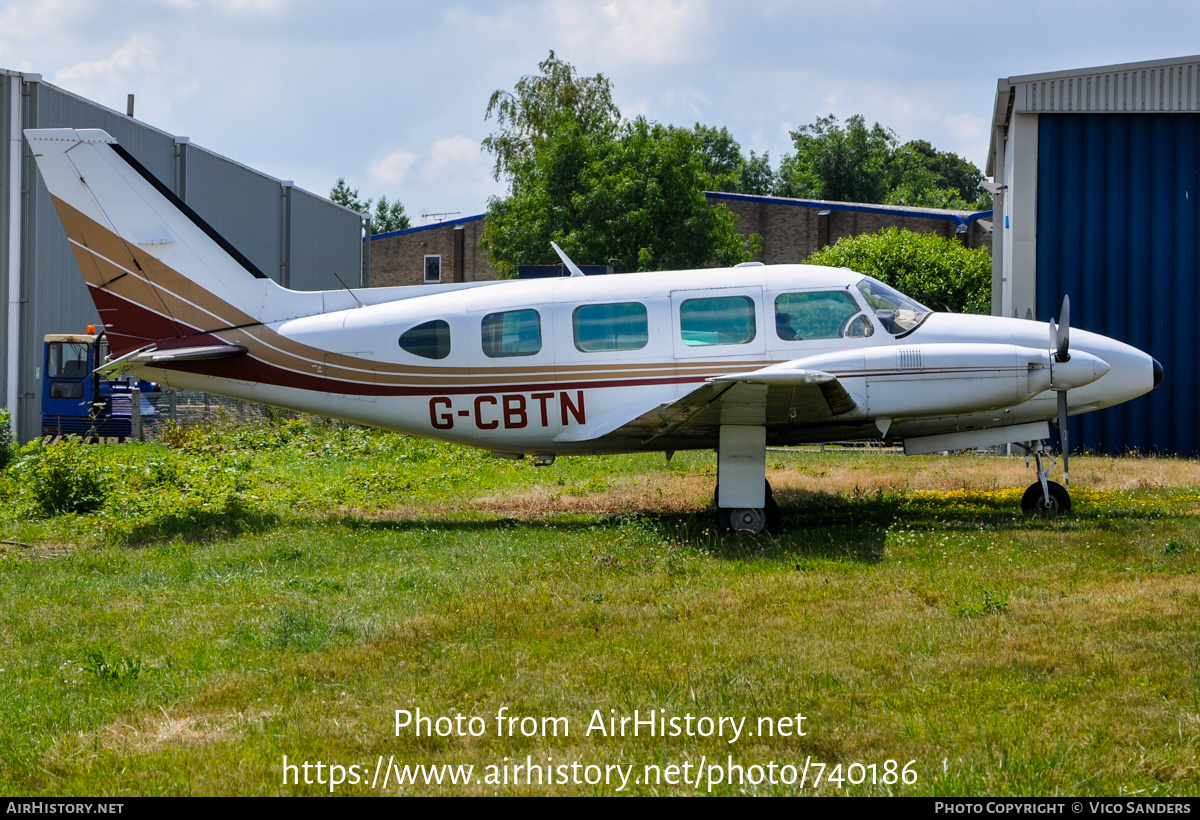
(1034, 501)
(728, 519)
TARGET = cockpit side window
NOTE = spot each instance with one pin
(817, 315)
(896, 312)
(725, 320)
(430, 340)
(512, 333)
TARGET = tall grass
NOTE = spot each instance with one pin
(249, 591)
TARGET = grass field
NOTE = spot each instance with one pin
(250, 591)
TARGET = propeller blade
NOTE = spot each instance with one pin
(1062, 434)
(1060, 341)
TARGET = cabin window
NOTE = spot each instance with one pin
(430, 340)
(621, 326)
(433, 269)
(67, 360)
(818, 315)
(725, 320)
(512, 333)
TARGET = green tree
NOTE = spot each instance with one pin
(841, 164)
(920, 175)
(635, 194)
(730, 170)
(601, 187)
(937, 271)
(524, 115)
(387, 216)
(853, 163)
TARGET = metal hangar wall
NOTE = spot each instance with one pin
(1099, 175)
(300, 240)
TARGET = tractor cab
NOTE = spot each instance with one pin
(77, 401)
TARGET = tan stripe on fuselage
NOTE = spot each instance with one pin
(115, 265)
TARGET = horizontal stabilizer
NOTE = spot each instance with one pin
(151, 356)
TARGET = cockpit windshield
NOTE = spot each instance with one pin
(895, 311)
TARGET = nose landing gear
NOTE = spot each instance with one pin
(1044, 496)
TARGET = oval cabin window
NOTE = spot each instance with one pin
(430, 340)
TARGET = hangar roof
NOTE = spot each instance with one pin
(1153, 86)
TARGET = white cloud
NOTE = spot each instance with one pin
(392, 170)
(691, 100)
(454, 173)
(646, 32)
(231, 7)
(137, 55)
(457, 171)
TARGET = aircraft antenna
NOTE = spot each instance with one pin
(357, 302)
(571, 266)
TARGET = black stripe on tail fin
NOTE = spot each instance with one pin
(199, 222)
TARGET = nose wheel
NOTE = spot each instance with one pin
(1051, 501)
(1044, 497)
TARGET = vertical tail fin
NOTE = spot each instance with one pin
(156, 271)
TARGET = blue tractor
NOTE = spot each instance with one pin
(78, 401)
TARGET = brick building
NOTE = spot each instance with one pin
(792, 229)
(442, 252)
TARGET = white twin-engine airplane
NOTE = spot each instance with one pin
(736, 359)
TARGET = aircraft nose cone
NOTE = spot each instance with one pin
(1158, 373)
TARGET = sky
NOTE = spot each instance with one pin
(391, 95)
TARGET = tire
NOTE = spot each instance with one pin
(722, 515)
(1034, 502)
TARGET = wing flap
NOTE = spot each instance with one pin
(776, 397)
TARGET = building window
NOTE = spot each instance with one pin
(726, 320)
(512, 333)
(433, 269)
(620, 326)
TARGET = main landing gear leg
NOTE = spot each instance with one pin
(743, 499)
(1044, 496)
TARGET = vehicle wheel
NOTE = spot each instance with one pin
(1033, 501)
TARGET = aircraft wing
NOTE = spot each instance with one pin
(775, 396)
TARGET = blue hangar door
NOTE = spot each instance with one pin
(1119, 231)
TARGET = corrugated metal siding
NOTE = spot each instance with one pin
(322, 241)
(1173, 88)
(243, 206)
(1119, 231)
(7, 84)
(51, 107)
